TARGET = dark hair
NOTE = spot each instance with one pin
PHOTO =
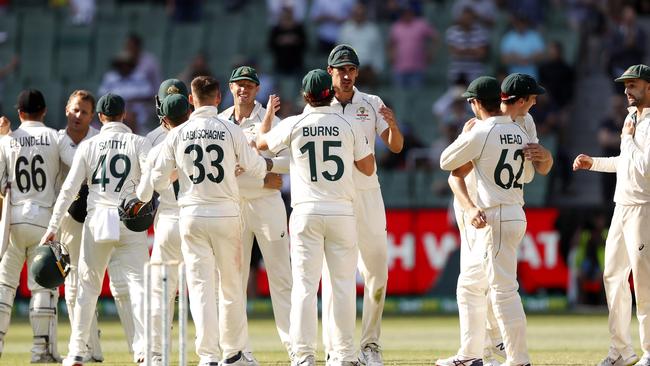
(176, 121)
(205, 88)
(491, 105)
(35, 116)
(322, 102)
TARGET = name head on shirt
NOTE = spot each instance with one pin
(112, 144)
(42, 140)
(320, 131)
(510, 139)
(203, 134)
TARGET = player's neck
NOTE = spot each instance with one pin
(76, 136)
(243, 111)
(344, 97)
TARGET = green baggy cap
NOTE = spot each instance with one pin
(244, 73)
(343, 55)
(174, 106)
(483, 88)
(110, 105)
(518, 85)
(317, 83)
(635, 72)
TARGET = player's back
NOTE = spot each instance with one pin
(31, 162)
(205, 150)
(501, 162)
(322, 159)
(113, 164)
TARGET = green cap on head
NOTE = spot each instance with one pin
(172, 86)
(343, 55)
(110, 105)
(519, 85)
(174, 106)
(317, 83)
(635, 72)
(244, 73)
(483, 88)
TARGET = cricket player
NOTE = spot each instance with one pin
(167, 238)
(205, 151)
(625, 248)
(495, 147)
(375, 119)
(106, 162)
(325, 146)
(29, 166)
(261, 202)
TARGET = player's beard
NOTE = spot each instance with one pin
(633, 100)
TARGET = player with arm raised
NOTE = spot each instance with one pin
(495, 148)
(625, 248)
(261, 203)
(326, 147)
(106, 162)
(205, 151)
(29, 167)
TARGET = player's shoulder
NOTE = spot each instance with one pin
(157, 135)
(371, 99)
(225, 114)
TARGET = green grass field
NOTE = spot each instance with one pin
(552, 340)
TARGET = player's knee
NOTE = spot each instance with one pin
(43, 302)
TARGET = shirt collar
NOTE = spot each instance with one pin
(643, 115)
(310, 109)
(256, 110)
(205, 111)
(115, 127)
(32, 124)
(356, 97)
(499, 119)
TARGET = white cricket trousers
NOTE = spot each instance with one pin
(210, 243)
(372, 240)
(131, 253)
(491, 265)
(264, 218)
(166, 247)
(332, 238)
(625, 251)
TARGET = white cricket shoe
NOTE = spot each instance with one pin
(307, 361)
(73, 361)
(45, 358)
(645, 361)
(491, 362)
(620, 361)
(370, 355)
(457, 361)
(336, 362)
(250, 359)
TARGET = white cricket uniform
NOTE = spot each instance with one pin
(494, 146)
(463, 221)
(167, 238)
(262, 219)
(108, 162)
(205, 151)
(625, 248)
(324, 145)
(29, 163)
(370, 212)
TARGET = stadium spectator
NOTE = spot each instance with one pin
(609, 139)
(557, 76)
(197, 67)
(522, 47)
(145, 62)
(468, 43)
(82, 11)
(532, 10)
(411, 48)
(485, 10)
(274, 9)
(125, 80)
(366, 39)
(185, 11)
(443, 103)
(626, 44)
(329, 16)
(589, 260)
(5, 71)
(288, 43)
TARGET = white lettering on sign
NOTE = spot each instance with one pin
(438, 253)
(404, 251)
(529, 252)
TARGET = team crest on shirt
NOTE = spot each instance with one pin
(362, 113)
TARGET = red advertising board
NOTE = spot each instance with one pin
(420, 243)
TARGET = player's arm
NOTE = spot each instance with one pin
(540, 156)
(464, 149)
(255, 165)
(391, 135)
(145, 190)
(165, 163)
(640, 157)
(586, 162)
(272, 106)
(76, 176)
(364, 159)
(281, 162)
(458, 186)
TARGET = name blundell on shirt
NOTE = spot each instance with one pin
(203, 134)
(23, 141)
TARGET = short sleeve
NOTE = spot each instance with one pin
(279, 137)
(361, 147)
(381, 125)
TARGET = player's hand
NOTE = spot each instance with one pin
(469, 125)
(5, 126)
(388, 115)
(536, 152)
(273, 105)
(628, 128)
(583, 161)
(239, 170)
(273, 181)
(49, 236)
(477, 217)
